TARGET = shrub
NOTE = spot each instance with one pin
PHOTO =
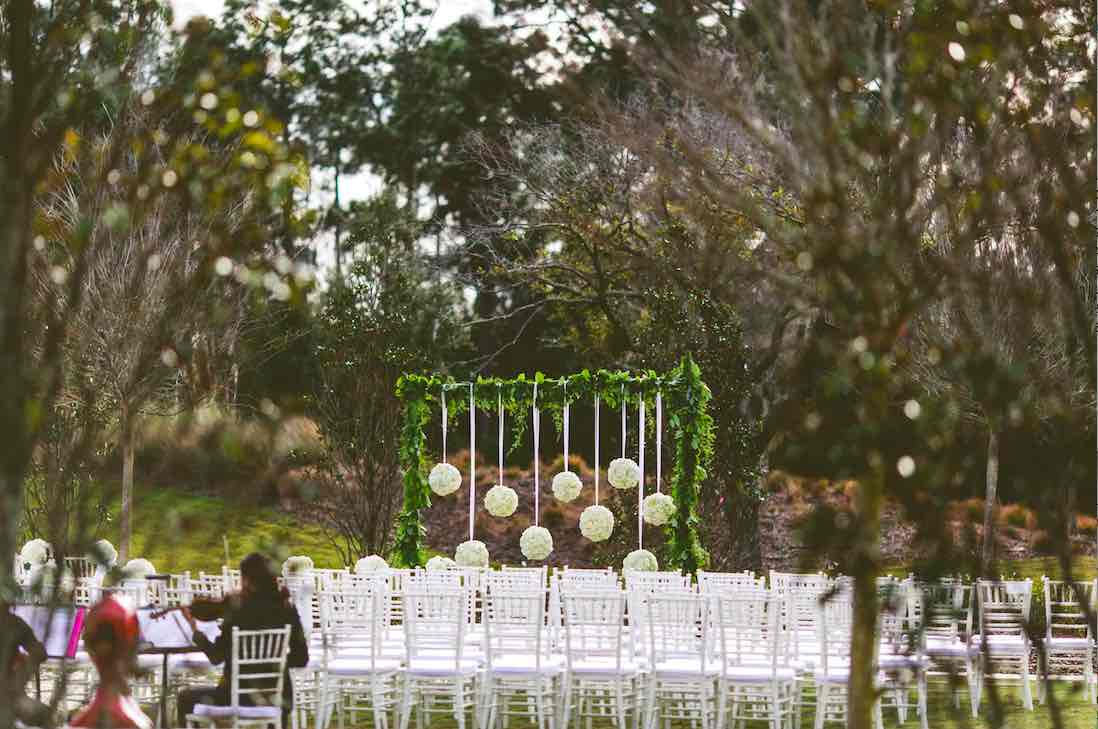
(1018, 516)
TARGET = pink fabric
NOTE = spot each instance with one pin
(74, 634)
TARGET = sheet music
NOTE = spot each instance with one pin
(171, 630)
(52, 626)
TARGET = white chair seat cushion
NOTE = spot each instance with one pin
(360, 666)
(949, 649)
(889, 661)
(834, 674)
(757, 674)
(1065, 642)
(1001, 644)
(517, 664)
(685, 667)
(606, 667)
(189, 662)
(211, 711)
(441, 667)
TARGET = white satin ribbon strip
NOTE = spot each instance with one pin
(596, 449)
(472, 458)
(537, 451)
(566, 419)
(500, 399)
(640, 481)
(623, 421)
(444, 419)
(659, 438)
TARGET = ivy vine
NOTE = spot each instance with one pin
(686, 401)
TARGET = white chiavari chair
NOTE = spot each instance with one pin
(757, 681)
(1004, 645)
(522, 673)
(718, 581)
(946, 613)
(901, 654)
(677, 647)
(259, 665)
(358, 669)
(835, 627)
(603, 677)
(1069, 639)
(600, 579)
(440, 677)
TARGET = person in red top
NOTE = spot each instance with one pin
(22, 652)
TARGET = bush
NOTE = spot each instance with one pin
(1018, 516)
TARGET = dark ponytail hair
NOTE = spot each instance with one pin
(257, 569)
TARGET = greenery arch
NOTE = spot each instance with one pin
(686, 406)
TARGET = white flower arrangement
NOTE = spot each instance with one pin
(596, 523)
(35, 553)
(138, 569)
(104, 553)
(566, 486)
(370, 564)
(471, 554)
(297, 565)
(640, 560)
(444, 479)
(536, 543)
(501, 500)
(658, 509)
(623, 473)
(438, 562)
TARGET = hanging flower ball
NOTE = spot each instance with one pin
(444, 479)
(566, 486)
(623, 473)
(371, 564)
(501, 500)
(35, 553)
(438, 562)
(104, 553)
(536, 543)
(596, 523)
(640, 560)
(471, 554)
(296, 566)
(658, 509)
(138, 569)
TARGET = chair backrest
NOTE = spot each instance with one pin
(522, 579)
(788, 581)
(514, 625)
(208, 586)
(80, 566)
(657, 581)
(259, 665)
(435, 623)
(748, 631)
(946, 609)
(716, 581)
(593, 627)
(231, 575)
(675, 627)
(604, 579)
(834, 629)
(1066, 606)
(352, 622)
(1004, 607)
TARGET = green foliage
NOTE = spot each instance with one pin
(687, 402)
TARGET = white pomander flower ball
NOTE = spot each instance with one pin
(138, 569)
(640, 560)
(658, 509)
(471, 554)
(370, 564)
(296, 566)
(596, 523)
(104, 553)
(501, 500)
(438, 562)
(35, 553)
(623, 473)
(536, 543)
(444, 479)
(566, 486)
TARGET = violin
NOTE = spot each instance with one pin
(205, 609)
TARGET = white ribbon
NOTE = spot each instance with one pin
(566, 419)
(444, 419)
(640, 479)
(500, 396)
(596, 449)
(659, 438)
(623, 421)
(472, 458)
(537, 441)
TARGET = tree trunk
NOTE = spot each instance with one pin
(990, 497)
(863, 639)
(125, 524)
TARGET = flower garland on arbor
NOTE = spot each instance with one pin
(683, 395)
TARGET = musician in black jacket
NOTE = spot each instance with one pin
(261, 605)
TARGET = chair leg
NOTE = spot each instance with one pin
(1027, 690)
(821, 703)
